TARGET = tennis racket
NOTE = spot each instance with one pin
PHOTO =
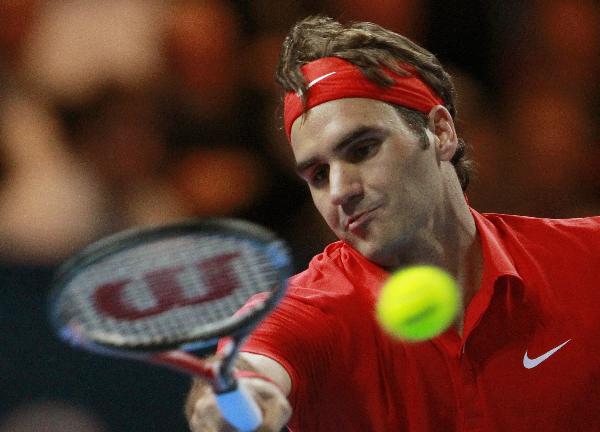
(166, 295)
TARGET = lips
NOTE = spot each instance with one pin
(358, 220)
(352, 219)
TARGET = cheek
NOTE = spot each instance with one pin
(326, 210)
(387, 178)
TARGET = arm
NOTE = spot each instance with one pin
(201, 409)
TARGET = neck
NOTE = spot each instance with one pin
(451, 242)
(460, 246)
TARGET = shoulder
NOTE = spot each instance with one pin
(555, 258)
(337, 271)
(516, 221)
(553, 252)
(581, 233)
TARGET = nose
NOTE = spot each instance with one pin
(345, 184)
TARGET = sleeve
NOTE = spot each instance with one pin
(303, 339)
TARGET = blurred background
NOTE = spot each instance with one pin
(120, 113)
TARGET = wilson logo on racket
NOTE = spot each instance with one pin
(217, 279)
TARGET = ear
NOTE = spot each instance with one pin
(442, 127)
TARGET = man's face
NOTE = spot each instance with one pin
(369, 174)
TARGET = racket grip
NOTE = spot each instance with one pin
(240, 409)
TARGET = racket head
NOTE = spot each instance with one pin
(177, 286)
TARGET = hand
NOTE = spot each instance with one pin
(205, 415)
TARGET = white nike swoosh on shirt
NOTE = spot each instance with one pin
(531, 363)
(316, 80)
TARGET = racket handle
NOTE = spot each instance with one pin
(240, 409)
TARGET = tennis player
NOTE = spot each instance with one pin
(370, 117)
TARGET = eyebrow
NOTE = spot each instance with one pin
(351, 137)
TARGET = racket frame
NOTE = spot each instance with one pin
(177, 355)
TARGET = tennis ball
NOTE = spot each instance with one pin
(418, 303)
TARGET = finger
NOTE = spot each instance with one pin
(207, 417)
(275, 407)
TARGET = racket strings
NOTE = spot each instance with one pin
(166, 290)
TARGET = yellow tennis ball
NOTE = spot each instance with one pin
(418, 303)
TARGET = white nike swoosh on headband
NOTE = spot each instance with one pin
(316, 80)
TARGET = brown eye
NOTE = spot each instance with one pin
(319, 175)
(364, 150)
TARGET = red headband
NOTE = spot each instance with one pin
(331, 78)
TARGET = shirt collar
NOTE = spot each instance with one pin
(498, 270)
(496, 259)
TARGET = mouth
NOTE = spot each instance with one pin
(359, 220)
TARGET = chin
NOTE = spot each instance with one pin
(385, 254)
(382, 260)
(372, 252)
(375, 247)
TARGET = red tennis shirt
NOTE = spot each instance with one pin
(528, 360)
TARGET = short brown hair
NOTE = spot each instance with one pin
(368, 46)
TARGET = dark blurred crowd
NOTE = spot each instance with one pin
(120, 113)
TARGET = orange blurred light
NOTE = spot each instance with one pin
(220, 181)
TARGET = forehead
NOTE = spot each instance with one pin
(326, 124)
